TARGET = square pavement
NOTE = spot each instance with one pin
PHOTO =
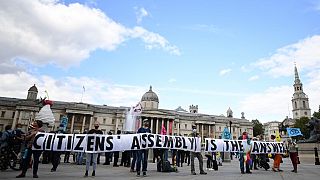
(229, 171)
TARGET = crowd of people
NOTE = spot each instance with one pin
(137, 161)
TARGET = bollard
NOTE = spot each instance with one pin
(316, 157)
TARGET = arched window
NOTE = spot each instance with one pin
(295, 104)
(304, 104)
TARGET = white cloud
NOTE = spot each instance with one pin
(224, 72)
(172, 80)
(42, 32)
(275, 101)
(253, 78)
(70, 89)
(141, 13)
(272, 103)
(306, 53)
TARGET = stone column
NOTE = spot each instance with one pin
(151, 125)
(91, 122)
(157, 126)
(167, 128)
(83, 123)
(202, 132)
(117, 125)
(20, 116)
(15, 120)
(178, 126)
(209, 129)
(72, 122)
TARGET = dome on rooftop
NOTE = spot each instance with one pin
(150, 96)
(33, 88)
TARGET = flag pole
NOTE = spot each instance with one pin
(82, 93)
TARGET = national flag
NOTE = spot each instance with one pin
(294, 132)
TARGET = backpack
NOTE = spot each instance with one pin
(10, 137)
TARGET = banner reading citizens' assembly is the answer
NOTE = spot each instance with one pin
(94, 143)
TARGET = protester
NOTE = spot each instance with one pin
(108, 154)
(92, 156)
(116, 154)
(196, 154)
(35, 128)
(56, 154)
(293, 153)
(142, 155)
(244, 157)
(277, 157)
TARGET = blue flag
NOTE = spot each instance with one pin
(226, 134)
(294, 132)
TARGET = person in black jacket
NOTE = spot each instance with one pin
(92, 156)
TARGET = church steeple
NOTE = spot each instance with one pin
(296, 75)
(300, 101)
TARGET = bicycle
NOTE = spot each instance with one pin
(10, 157)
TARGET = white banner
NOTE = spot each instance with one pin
(96, 143)
(255, 147)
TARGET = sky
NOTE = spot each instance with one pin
(214, 54)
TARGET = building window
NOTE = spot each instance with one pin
(219, 128)
(3, 113)
(175, 125)
(305, 113)
(104, 120)
(113, 121)
(304, 104)
(240, 131)
(295, 105)
(185, 126)
(13, 114)
(234, 129)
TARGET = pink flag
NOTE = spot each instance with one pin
(163, 130)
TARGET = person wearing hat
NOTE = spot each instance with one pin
(196, 154)
(142, 155)
(92, 156)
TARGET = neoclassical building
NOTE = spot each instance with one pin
(81, 116)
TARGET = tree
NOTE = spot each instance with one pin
(302, 124)
(257, 128)
(316, 115)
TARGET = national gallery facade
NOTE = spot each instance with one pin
(81, 116)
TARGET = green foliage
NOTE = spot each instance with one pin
(302, 124)
(257, 128)
(316, 115)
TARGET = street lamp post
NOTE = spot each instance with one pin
(230, 123)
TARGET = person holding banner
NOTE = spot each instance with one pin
(142, 155)
(35, 128)
(92, 156)
(244, 157)
(196, 154)
(293, 153)
(277, 157)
